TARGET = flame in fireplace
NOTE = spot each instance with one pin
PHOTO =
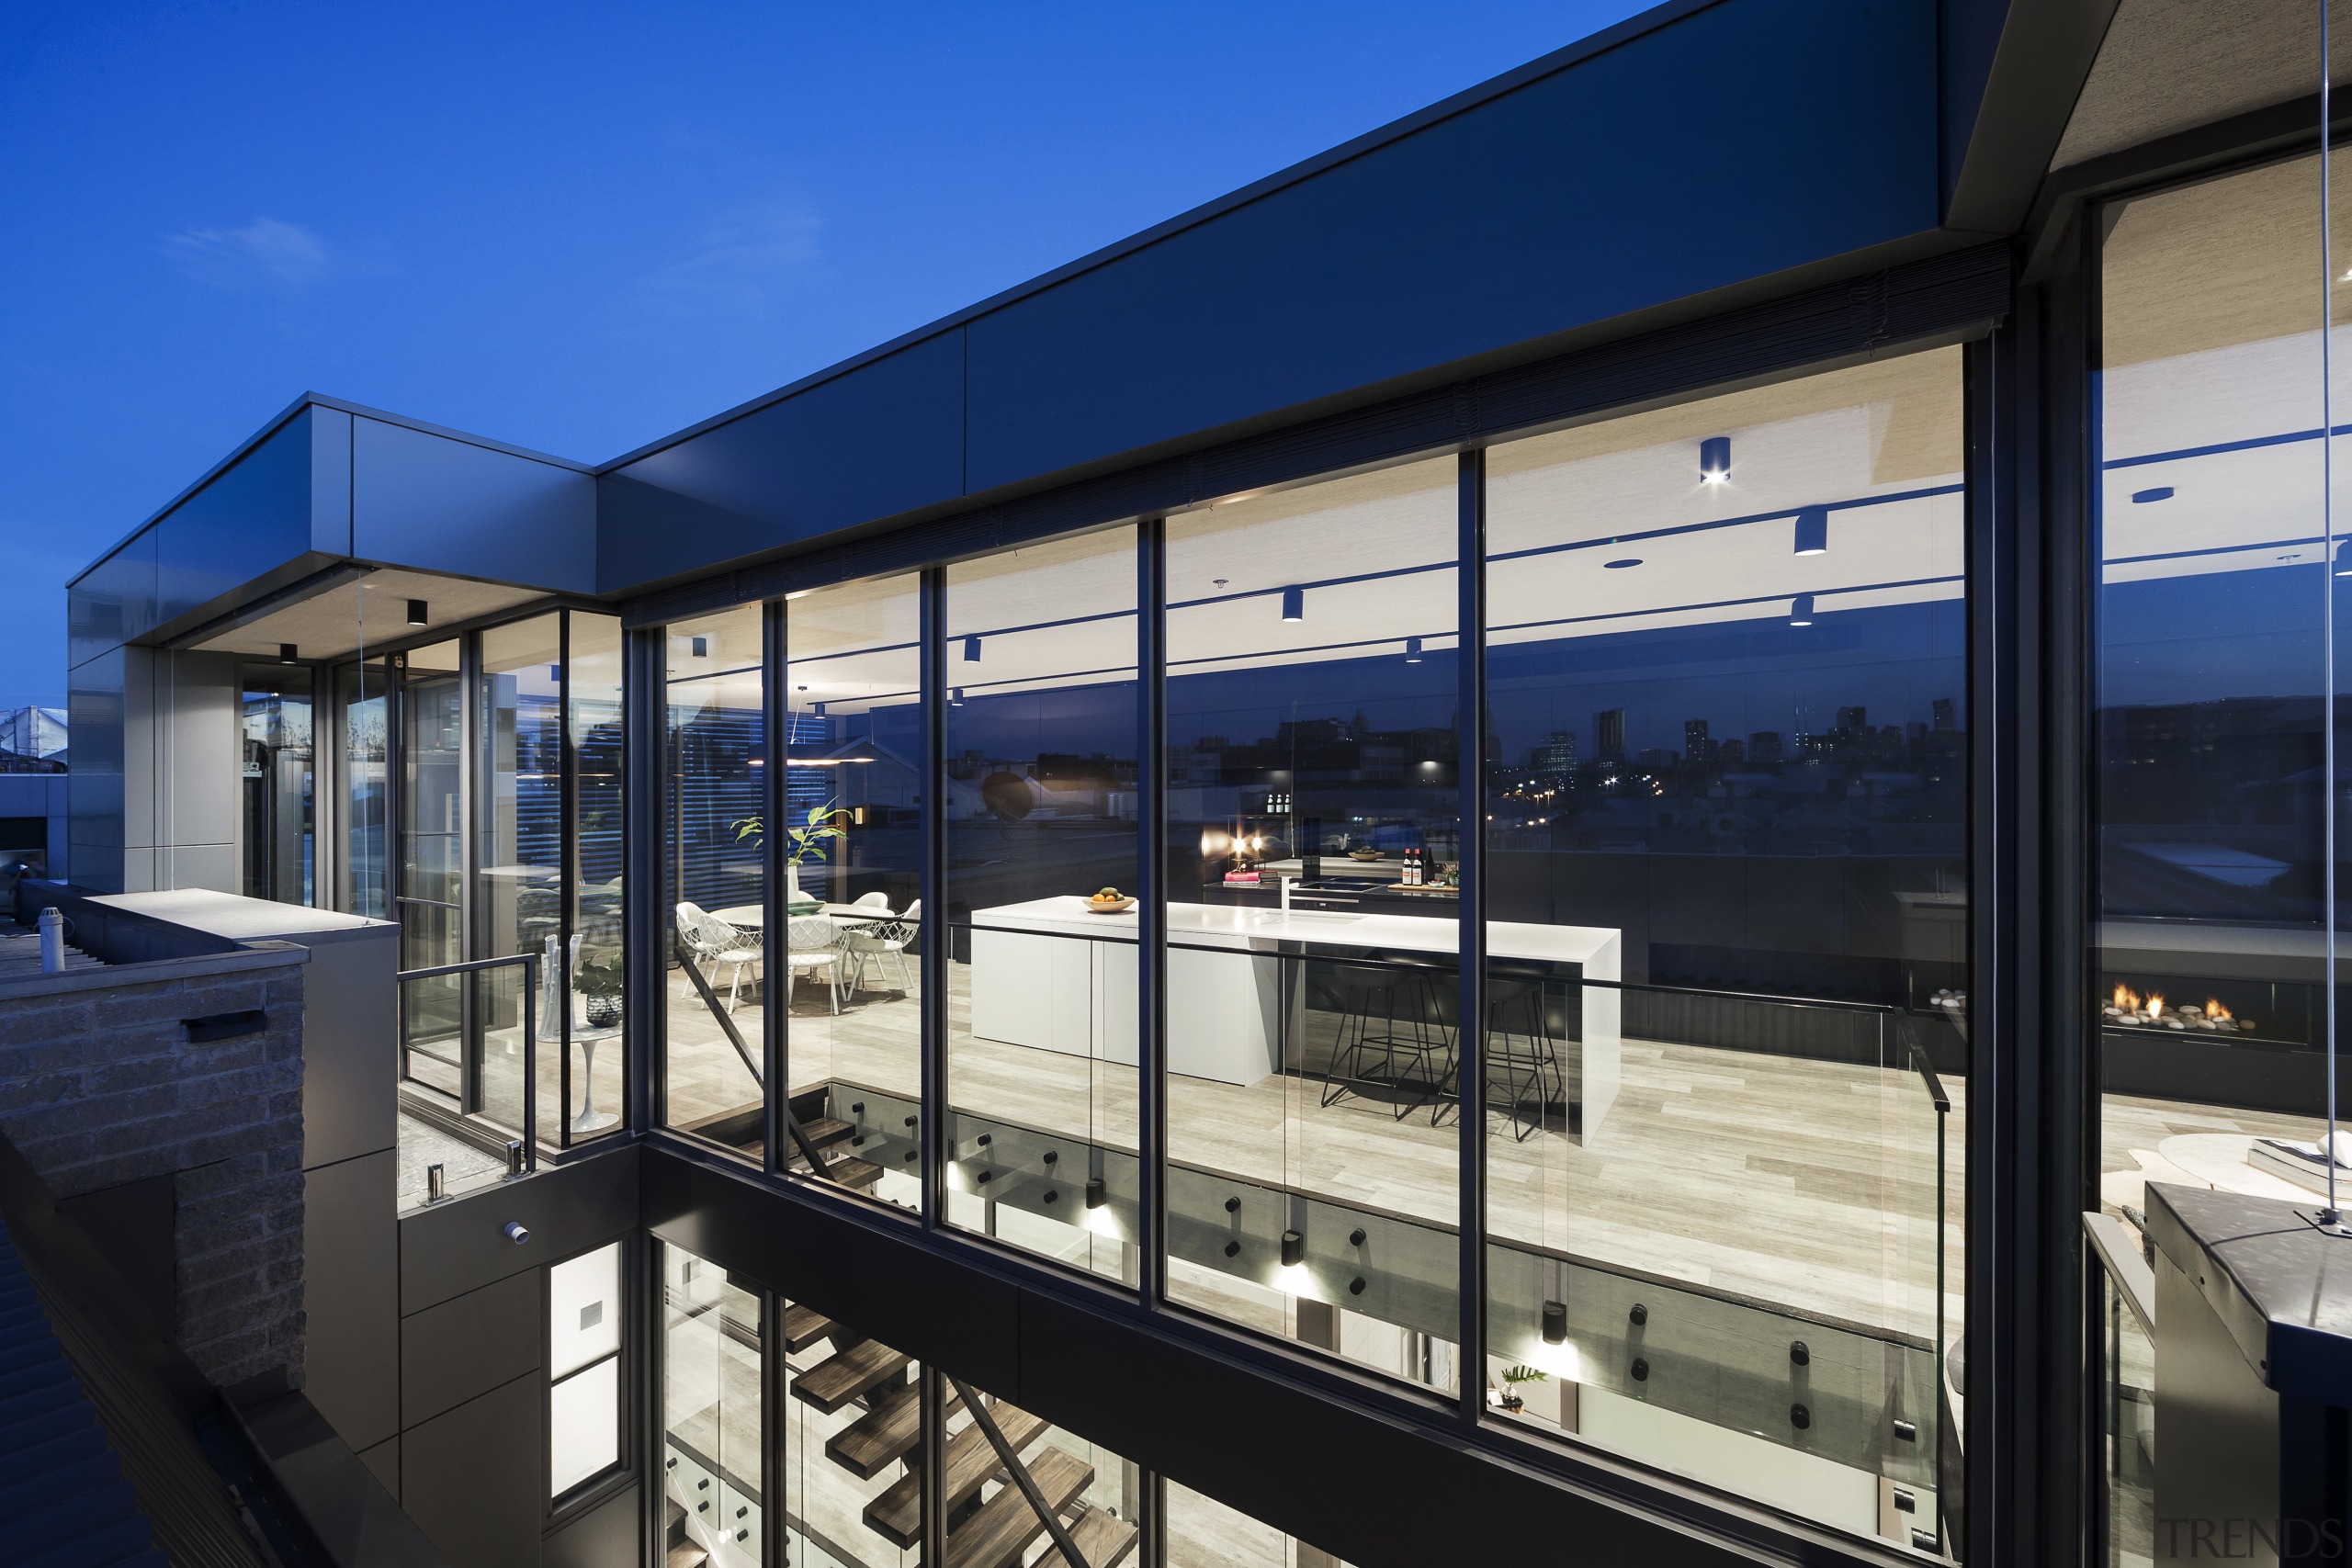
(2216, 1011)
(2125, 1000)
(2155, 1005)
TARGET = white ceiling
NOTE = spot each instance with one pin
(371, 610)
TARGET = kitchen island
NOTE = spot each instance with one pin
(1053, 975)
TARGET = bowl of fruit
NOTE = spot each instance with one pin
(1109, 901)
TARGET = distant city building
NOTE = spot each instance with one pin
(1695, 744)
(1609, 734)
(1764, 746)
(32, 740)
(1947, 714)
(1557, 756)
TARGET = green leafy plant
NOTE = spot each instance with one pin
(807, 842)
(599, 976)
(1514, 1376)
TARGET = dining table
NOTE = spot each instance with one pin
(753, 917)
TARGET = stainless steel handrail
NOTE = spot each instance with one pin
(530, 963)
(2119, 1249)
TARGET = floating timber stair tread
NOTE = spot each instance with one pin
(826, 1131)
(1102, 1539)
(1006, 1524)
(842, 1167)
(803, 1326)
(884, 1435)
(842, 1377)
(685, 1554)
(897, 1515)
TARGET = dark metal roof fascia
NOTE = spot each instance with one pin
(1601, 42)
(286, 416)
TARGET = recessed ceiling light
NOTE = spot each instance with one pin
(1622, 565)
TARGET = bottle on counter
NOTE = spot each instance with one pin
(1412, 877)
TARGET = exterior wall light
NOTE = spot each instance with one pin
(1801, 610)
(1412, 651)
(1812, 531)
(1294, 604)
(287, 654)
(416, 612)
(1098, 1191)
(1714, 460)
(1556, 1322)
(1293, 1250)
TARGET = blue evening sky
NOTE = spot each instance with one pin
(578, 228)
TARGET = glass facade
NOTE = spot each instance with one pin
(1726, 789)
(1314, 822)
(277, 785)
(1720, 849)
(714, 885)
(847, 826)
(1041, 746)
(2211, 685)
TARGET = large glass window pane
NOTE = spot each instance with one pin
(1042, 729)
(2213, 688)
(852, 1430)
(518, 850)
(1314, 833)
(711, 1459)
(715, 996)
(359, 693)
(850, 960)
(595, 947)
(428, 885)
(277, 816)
(1726, 900)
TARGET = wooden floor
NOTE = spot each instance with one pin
(1792, 1182)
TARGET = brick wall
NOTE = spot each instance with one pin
(100, 1085)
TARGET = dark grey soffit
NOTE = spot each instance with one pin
(1945, 299)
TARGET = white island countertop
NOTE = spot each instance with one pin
(1243, 928)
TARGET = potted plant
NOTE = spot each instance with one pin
(599, 979)
(1512, 1378)
(807, 842)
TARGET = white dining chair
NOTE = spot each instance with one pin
(717, 943)
(869, 941)
(813, 942)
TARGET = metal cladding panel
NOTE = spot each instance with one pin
(882, 439)
(93, 706)
(461, 1245)
(331, 481)
(438, 505)
(250, 520)
(113, 602)
(468, 1345)
(1742, 141)
(473, 1479)
(351, 1296)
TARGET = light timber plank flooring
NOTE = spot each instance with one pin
(1789, 1181)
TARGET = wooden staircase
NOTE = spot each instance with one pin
(991, 1522)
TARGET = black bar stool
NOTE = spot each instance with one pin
(1521, 1048)
(1387, 1022)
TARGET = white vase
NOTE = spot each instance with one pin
(791, 885)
